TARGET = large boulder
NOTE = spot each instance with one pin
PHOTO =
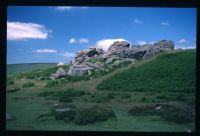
(165, 45)
(93, 65)
(79, 69)
(118, 48)
(59, 73)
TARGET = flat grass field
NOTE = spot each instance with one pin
(18, 68)
(165, 78)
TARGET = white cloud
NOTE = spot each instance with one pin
(105, 43)
(137, 21)
(185, 47)
(152, 42)
(45, 51)
(23, 31)
(182, 40)
(83, 40)
(164, 23)
(67, 8)
(72, 40)
(142, 42)
(68, 54)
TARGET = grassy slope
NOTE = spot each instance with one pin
(35, 107)
(170, 72)
(18, 68)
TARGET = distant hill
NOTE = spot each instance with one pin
(25, 67)
(174, 72)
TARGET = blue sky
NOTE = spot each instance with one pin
(55, 34)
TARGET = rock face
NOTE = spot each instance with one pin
(119, 52)
(59, 73)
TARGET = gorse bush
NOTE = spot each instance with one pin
(28, 84)
(93, 114)
(12, 90)
(125, 95)
(143, 99)
(52, 83)
(9, 81)
(178, 115)
(167, 112)
(65, 99)
(167, 73)
(45, 94)
(99, 98)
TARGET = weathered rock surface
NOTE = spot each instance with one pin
(59, 73)
(79, 69)
(119, 52)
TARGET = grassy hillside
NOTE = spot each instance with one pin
(174, 72)
(132, 92)
(18, 68)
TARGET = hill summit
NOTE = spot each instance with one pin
(96, 59)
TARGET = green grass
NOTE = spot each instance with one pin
(31, 106)
(173, 72)
(28, 84)
(18, 68)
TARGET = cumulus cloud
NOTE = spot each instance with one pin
(45, 51)
(137, 21)
(182, 40)
(152, 42)
(68, 54)
(80, 41)
(185, 47)
(141, 42)
(83, 40)
(72, 40)
(164, 23)
(23, 31)
(62, 8)
(67, 8)
(105, 43)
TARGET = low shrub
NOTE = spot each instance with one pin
(98, 98)
(9, 81)
(63, 81)
(110, 96)
(161, 97)
(93, 114)
(167, 112)
(66, 112)
(51, 83)
(45, 117)
(65, 99)
(12, 90)
(143, 99)
(45, 94)
(28, 84)
(178, 115)
(125, 96)
(141, 110)
(180, 97)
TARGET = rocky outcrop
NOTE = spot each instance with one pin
(59, 73)
(118, 53)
